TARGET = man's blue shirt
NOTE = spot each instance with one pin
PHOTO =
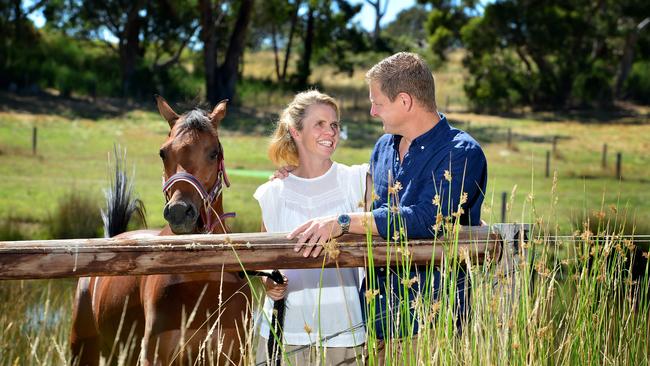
(444, 162)
(421, 175)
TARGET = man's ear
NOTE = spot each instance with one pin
(406, 100)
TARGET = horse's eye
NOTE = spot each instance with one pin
(214, 154)
(162, 154)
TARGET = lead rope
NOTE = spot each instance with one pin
(277, 322)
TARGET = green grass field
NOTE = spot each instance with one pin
(72, 154)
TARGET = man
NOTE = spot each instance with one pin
(423, 164)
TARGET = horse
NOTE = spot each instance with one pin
(172, 317)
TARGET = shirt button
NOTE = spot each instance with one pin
(381, 269)
(421, 147)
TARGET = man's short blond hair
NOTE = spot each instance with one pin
(405, 72)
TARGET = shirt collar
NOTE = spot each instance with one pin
(429, 137)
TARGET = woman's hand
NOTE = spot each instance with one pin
(314, 233)
(274, 290)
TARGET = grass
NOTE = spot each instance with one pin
(72, 153)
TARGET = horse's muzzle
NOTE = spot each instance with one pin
(182, 216)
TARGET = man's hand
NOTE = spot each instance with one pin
(282, 172)
(314, 233)
(274, 290)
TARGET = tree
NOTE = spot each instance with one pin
(129, 28)
(628, 53)
(330, 36)
(18, 38)
(549, 54)
(379, 13)
(407, 31)
(277, 21)
(222, 78)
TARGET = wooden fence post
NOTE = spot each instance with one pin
(548, 164)
(34, 139)
(504, 197)
(509, 269)
(509, 138)
(604, 160)
(619, 163)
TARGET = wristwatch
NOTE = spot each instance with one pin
(344, 221)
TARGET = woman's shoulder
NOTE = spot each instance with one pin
(271, 187)
(353, 171)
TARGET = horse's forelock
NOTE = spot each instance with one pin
(197, 120)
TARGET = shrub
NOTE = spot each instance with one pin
(637, 86)
(9, 230)
(76, 216)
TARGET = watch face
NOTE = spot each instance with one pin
(344, 220)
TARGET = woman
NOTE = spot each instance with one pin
(319, 303)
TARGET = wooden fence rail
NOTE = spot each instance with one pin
(231, 252)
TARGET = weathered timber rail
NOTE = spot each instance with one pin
(229, 252)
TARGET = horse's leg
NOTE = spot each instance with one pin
(162, 314)
(84, 339)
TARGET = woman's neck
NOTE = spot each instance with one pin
(311, 168)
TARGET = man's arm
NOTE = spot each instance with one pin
(439, 198)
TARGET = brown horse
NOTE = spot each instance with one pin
(163, 319)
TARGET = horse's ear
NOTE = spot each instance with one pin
(166, 111)
(218, 113)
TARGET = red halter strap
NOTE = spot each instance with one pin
(207, 198)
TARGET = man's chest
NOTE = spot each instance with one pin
(408, 176)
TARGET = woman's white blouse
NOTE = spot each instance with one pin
(319, 302)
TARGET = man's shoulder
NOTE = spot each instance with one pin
(462, 140)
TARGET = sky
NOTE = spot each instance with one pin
(367, 15)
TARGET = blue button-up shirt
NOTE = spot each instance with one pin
(444, 162)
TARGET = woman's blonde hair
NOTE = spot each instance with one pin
(283, 149)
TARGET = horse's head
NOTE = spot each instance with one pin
(193, 169)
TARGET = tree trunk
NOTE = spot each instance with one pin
(378, 15)
(18, 15)
(274, 41)
(227, 74)
(304, 70)
(209, 49)
(628, 56)
(130, 47)
(292, 31)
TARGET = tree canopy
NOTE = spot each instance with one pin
(544, 54)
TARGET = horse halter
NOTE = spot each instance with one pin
(208, 214)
